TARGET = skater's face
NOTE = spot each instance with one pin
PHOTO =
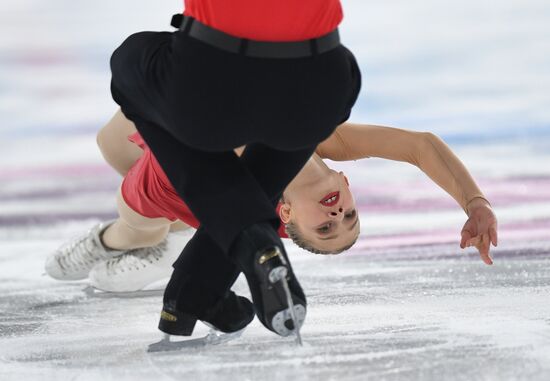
(325, 214)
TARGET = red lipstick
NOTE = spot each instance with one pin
(330, 199)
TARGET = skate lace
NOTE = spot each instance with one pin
(79, 253)
(136, 259)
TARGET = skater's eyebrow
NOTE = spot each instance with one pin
(335, 236)
(326, 238)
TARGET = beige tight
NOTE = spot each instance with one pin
(131, 230)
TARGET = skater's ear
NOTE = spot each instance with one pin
(285, 213)
(345, 177)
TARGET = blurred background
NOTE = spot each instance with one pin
(476, 73)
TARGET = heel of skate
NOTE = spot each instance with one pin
(279, 300)
(176, 323)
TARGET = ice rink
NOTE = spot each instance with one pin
(405, 303)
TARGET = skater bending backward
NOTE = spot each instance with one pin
(132, 252)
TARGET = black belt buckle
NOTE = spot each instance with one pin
(177, 19)
(259, 49)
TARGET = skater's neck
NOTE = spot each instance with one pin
(313, 171)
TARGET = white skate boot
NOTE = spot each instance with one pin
(75, 259)
(145, 268)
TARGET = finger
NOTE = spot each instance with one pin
(466, 235)
(473, 241)
(494, 235)
(483, 247)
(463, 241)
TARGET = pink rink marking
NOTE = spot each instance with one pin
(59, 171)
(526, 186)
(505, 234)
(501, 193)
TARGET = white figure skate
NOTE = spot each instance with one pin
(147, 268)
(75, 259)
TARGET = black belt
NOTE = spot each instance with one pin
(251, 48)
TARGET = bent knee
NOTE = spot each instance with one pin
(104, 141)
(101, 140)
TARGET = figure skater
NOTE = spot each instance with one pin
(269, 75)
(132, 252)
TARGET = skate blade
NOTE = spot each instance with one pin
(214, 337)
(93, 292)
(293, 314)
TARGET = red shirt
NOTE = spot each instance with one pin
(147, 190)
(268, 20)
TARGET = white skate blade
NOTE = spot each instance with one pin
(293, 314)
(296, 313)
(214, 337)
(93, 292)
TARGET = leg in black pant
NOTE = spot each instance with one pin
(204, 274)
(202, 103)
(218, 188)
(197, 258)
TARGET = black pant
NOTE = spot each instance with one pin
(194, 103)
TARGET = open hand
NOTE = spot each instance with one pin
(481, 229)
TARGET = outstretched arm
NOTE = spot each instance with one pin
(429, 153)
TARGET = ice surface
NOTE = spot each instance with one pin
(419, 312)
(404, 304)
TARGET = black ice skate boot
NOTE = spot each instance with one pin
(278, 297)
(229, 314)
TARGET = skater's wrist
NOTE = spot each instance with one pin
(476, 202)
